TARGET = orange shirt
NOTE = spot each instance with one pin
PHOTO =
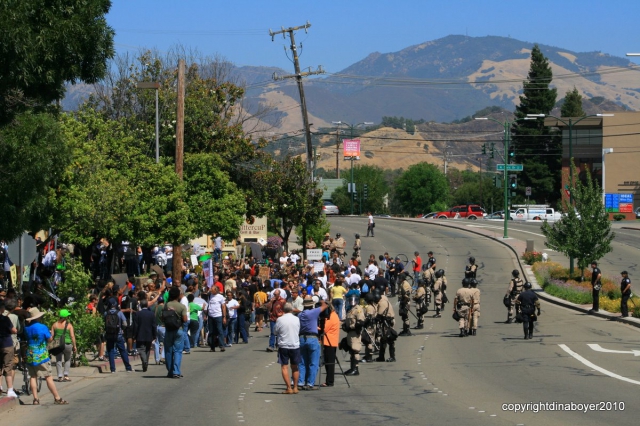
(332, 330)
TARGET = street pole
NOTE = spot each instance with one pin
(177, 247)
(507, 214)
(351, 186)
(156, 86)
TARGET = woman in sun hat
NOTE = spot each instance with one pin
(60, 327)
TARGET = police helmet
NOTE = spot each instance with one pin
(515, 273)
(369, 298)
(472, 260)
(338, 235)
(377, 296)
(439, 273)
(527, 285)
(465, 282)
(473, 282)
(357, 236)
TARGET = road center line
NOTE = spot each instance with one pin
(595, 367)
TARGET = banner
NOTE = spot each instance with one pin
(207, 271)
(351, 148)
(318, 267)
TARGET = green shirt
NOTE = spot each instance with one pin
(193, 311)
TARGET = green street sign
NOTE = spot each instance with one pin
(510, 167)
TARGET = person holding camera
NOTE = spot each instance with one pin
(309, 344)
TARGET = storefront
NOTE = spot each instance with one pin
(607, 147)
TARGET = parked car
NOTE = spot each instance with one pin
(638, 213)
(329, 208)
(499, 215)
(466, 211)
(429, 215)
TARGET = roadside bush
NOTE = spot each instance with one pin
(618, 217)
(531, 257)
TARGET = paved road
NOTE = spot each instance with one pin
(438, 379)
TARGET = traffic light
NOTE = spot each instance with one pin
(492, 150)
(497, 181)
(484, 149)
(513, 181)
(512, 155)
(365, 191)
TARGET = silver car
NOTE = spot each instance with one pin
(329, 208)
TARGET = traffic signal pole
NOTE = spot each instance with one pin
(505, 182)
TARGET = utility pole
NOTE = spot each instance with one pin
(338, 153)
(298, 76)
(177, 247)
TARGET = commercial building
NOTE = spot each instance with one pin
(610, 143)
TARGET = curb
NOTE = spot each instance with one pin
(7, 403)
(635, 322)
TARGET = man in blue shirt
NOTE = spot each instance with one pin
(309, 343)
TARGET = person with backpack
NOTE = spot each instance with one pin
(114, 322)
(174, 315)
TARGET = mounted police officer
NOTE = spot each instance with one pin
(470, 271)
(528, 303)
(515, 288)
(421, 303)
(405, 304)
(476, 305)
(385, 318)
(463, 306)
(353, 324)
(439, 288)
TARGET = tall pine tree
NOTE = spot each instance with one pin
(537, 147)
(572, 105)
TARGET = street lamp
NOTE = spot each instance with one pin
(507, 135)
(351, 127)
(156, 86)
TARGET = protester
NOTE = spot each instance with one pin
(64, 327)
(275, 309)
(38, 361)
(174, 316)
(287, 329)
(115, 321)
(7, 349)
(145, 332)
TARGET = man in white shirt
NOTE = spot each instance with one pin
(294, 257)
(354, 278)
(217, 312)
(323, 278)
(370, 225)
(185, 326)
(319, 291)
(288, 331)
(232, 307)
(283, 258)
(371, 270)
(296, 301)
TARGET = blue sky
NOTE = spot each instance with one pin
(344, 32)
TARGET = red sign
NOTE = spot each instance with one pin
(351, 147)
(626, 208)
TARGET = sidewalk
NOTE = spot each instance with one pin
(517, 247)
(75, 374)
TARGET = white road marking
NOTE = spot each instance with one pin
(599, 348)
(510, 229)
(595, 367)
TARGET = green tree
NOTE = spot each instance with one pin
(420, 187)
(584, 232)
(293, 200)
(535, 146)
(34, 154)
(216, 204)
(572, 105)
(315, 231)
(377, 189)
(44, 45)
(112, 189)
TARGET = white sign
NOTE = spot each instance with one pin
(194, 260)
(528, 191)
(314, 254)
(318, 267)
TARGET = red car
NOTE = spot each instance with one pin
(467, 211)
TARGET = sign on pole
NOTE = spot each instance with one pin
(510, 167)
(314, 254)
(527, 191)
(351, 148)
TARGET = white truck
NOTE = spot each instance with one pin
(535, 212)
